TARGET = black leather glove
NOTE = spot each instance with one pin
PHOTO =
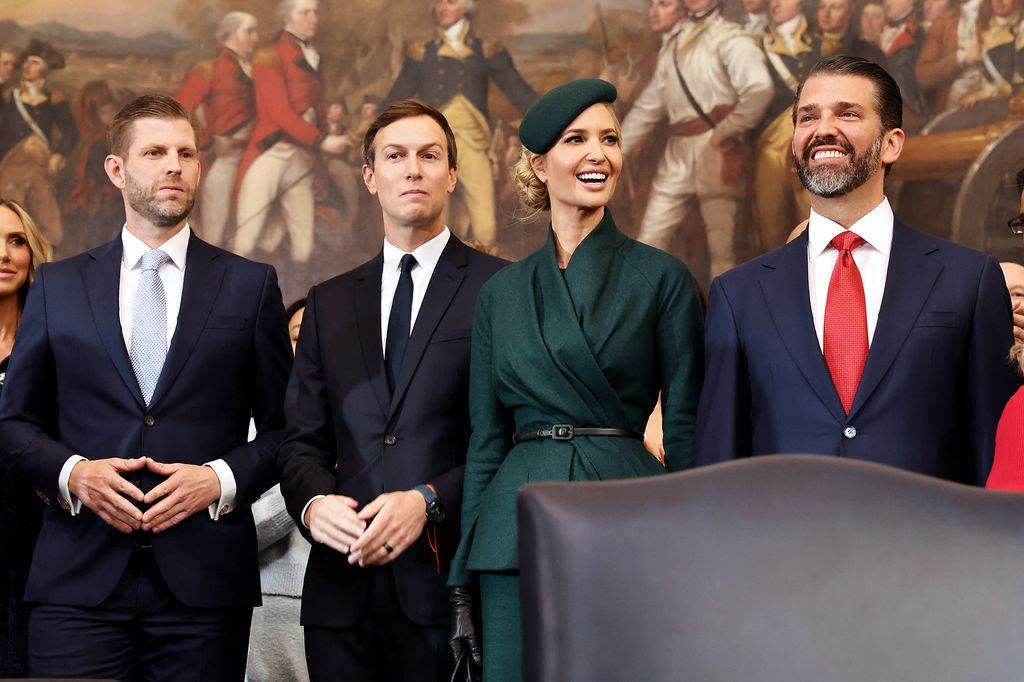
(463, 640)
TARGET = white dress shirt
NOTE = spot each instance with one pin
(872, 259)
(308, 51)
(454, 35)
(172, 275)
(426, 256)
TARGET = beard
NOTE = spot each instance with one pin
(159, 212)
(829, 181)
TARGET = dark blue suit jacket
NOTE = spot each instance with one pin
(934, 385)
(71, 390)
(349, 435)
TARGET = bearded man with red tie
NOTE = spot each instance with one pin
(861, 338)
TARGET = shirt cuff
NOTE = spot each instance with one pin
(228, 489)
(313, 499)
(74, 505)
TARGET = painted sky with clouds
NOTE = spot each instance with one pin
(143, 16)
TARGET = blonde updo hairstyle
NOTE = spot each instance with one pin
(531, 191)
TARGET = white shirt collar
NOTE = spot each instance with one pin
(875, 228)
(453, 34)
(671, 34)
(133, 248)
(789, 27)
(426, 254)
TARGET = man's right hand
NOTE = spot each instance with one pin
(100, 486)
(332, 521)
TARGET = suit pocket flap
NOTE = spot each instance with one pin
(938, 319)
(225, 322)
(451, 334)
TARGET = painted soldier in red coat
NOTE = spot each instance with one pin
(277, 168)
(223, 89)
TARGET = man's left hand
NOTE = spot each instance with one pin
(398, 519)
(188, 489)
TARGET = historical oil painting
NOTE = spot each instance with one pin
(706, 120)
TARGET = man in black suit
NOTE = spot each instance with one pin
(378, 421)
(127, 403)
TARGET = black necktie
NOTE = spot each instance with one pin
(400, 322)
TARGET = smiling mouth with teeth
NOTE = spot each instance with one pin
(829, 154)
(592, 177)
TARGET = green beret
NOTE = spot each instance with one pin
(553, 112)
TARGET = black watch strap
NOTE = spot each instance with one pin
(435, 508)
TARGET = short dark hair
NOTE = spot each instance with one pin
(119, 135)
(888, 99)
(408, 108)
(295, 307)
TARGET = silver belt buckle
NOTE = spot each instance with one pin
(561, 432)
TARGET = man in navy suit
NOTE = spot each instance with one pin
(128, 397)
(378, 419)
(862, 337)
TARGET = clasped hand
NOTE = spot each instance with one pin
(392, 520)
(101, 487)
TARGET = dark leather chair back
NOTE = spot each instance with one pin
(785, 568)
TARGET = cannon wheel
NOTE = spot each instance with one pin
(988, 197)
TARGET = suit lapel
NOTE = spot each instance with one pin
(444, 283)
(102, 277)
(784, 285)
(203, 276)
(908, 281)
(367, 301)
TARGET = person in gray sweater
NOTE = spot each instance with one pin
(276, 649)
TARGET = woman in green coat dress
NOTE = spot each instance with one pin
(584, 333)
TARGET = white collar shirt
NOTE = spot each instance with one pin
(426, 256)
(872, 259)
(172, 274)
(309, 52)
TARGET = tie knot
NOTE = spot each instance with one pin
(153, 259)
(847, 241)
(408, 262)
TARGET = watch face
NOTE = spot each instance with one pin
(435, 511)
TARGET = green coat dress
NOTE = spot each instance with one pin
(590, 346)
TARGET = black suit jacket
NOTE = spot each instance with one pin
(71, 389)
(347, 435)
(935, 381)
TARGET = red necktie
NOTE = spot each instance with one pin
(845, 341)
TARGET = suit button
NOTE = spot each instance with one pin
(149, 420)
(390, 439)
(850, 432)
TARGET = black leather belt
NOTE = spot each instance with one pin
(568, 432)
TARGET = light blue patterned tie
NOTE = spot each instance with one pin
(149, 326)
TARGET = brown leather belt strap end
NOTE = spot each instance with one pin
(698, 125)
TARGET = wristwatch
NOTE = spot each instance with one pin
(435, 508)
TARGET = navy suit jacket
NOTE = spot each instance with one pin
(71, 390)
(934, 385)
(348, 435)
